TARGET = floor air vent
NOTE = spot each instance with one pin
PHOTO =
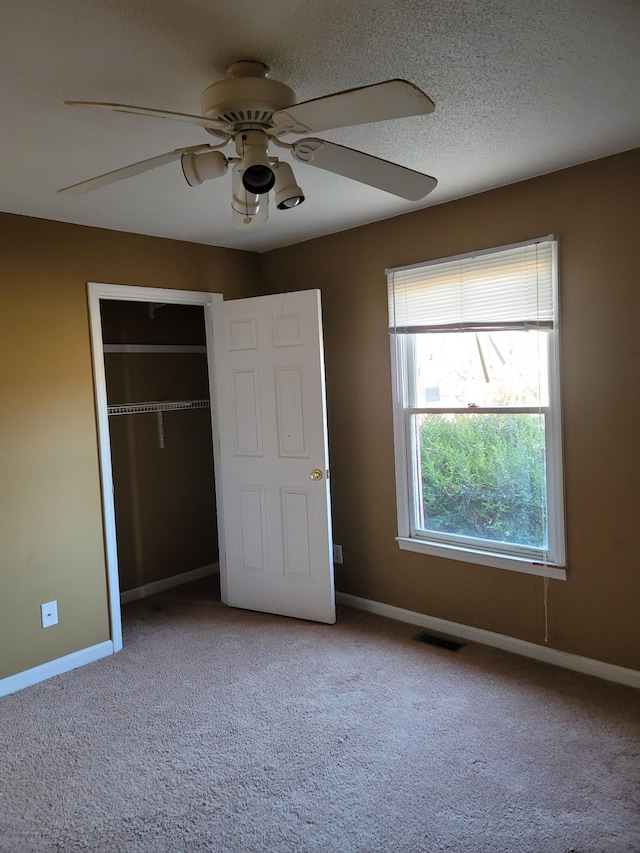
(440, 642)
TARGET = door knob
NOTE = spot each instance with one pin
(316, 474)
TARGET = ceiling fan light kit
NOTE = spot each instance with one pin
(246, 208)
(252, 110)
(252, 148)
(287, 192)
(198, 168)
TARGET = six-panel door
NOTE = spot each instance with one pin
(273, 461)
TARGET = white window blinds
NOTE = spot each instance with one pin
(507, 288)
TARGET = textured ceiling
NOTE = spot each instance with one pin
(521, 87)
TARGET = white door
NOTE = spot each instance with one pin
(272, 467)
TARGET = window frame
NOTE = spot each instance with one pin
(550, 563)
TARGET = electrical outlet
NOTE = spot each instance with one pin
(337, 553)
(49, 614)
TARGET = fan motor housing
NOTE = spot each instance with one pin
(246, 95)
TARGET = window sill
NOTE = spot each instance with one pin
(482, 558)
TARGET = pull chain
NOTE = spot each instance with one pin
(546, 610)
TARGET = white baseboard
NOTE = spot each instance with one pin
(29, 677)
(168, 583)
(55, 667)
(588, 666)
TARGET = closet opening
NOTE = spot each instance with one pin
(161, 446)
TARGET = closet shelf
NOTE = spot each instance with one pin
(154, 348)
(157, 406)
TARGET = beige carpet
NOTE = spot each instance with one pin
(223, 730)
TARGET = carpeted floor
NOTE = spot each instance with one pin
(224, 730)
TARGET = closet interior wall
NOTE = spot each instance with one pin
(162, 463)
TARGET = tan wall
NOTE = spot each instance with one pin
(51, 537)
(595, 211)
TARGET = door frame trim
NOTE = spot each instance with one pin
(130, 293)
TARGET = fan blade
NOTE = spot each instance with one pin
(130, 171)
(379, 102)
(202, 121)
(362, 167)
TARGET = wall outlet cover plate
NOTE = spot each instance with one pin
(49, 614)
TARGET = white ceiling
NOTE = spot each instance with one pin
(521, 87)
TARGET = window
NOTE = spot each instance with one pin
(475, 359)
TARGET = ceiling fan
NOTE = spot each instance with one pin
(253, 111)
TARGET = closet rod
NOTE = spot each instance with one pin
(157, 406)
